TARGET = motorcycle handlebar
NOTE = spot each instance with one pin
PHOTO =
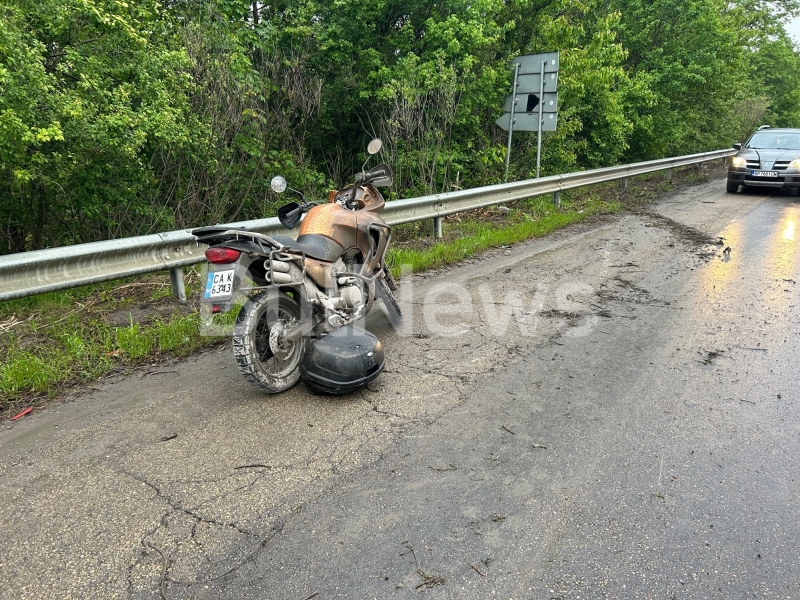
(301, 209)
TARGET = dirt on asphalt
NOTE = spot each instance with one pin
(183, 480)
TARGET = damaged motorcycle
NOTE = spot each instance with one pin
(304, 295)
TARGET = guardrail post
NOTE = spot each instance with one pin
(437, 226)
(669, 174)
(557, 199)
(623, 183)
(178, 287)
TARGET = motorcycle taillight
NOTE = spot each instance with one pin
(222, 256)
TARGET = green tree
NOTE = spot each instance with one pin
(102, 84)
(776, 74)
(695, 53)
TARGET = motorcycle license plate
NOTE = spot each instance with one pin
(764, 173)
(219, 284)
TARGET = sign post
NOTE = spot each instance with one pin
(539, 130)
(511, 119)
(535, 79)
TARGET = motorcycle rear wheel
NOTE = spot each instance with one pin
(260, 360)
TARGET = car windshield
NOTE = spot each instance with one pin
(772, 140)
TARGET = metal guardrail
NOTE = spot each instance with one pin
(40, 271)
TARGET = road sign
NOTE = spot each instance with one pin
(528, 121)
(529, 84)
(533, 104)
(532, 63)
(530, 103)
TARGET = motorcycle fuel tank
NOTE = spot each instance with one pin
(342, 361)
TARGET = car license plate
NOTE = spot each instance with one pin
(764, 173)
(219, 284)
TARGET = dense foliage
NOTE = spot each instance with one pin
(126, 117)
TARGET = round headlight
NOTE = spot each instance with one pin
(795, 164)
(738, 161)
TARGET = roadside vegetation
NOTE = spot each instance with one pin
(55, 344)
(124, 118)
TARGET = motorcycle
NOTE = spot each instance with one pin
(299, 291)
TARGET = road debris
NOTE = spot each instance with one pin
(22, 414)
(504, 428)
(428, 581)
(474, 568)
(710, 356)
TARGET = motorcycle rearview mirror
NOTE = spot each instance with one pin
(373, 148)
(278, 184)
(289, 214)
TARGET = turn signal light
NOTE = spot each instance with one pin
(222, 256)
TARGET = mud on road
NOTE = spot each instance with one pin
(532, 436)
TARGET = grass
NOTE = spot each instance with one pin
(476, 233)
(52, 342)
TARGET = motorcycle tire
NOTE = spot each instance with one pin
(389, 279)
(256, 358)
(392, 308)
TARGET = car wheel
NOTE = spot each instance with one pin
(731, 187)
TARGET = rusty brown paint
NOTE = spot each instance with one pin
(348, 228)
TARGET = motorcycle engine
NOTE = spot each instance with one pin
(350, 291)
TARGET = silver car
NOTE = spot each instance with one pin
(770, 158)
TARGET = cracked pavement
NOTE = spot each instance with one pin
(552, 423)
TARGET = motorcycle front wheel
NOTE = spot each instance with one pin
(261, 359)
(384, 293)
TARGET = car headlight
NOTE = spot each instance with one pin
(795, 164)
(738, 161)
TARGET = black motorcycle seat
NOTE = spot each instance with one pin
(313, 245)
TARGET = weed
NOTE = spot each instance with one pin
(180, 335)
(27, 371)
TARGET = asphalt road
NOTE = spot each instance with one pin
(610, 412)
